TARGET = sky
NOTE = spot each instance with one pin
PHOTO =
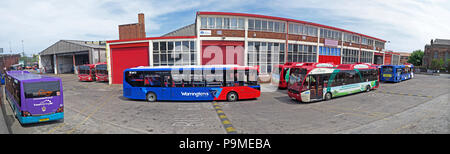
(407, 24)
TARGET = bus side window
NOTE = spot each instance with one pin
(307, 82)
(152, 79)
(167, 81)
(17, 92)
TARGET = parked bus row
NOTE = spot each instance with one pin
(93, 72)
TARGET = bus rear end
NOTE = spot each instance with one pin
(278, 76)
(42, 101)
(387, 73)
(295, 83)
(101, 72)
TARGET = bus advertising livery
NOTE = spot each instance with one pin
(308, 84)
(34, 98)
(191, 83)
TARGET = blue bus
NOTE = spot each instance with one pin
(392, 73)
(191, 83)
(34, 98)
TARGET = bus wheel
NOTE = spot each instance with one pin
(232, 96)
(367, 88)
(328, 96)
(151, 97)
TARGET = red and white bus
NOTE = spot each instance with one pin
(86, 72)
(313, 83)
(101, 72)
(280, 75)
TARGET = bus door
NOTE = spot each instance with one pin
(316, 85)
(166, 88)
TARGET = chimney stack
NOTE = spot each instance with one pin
(133, 31)
(141, 22)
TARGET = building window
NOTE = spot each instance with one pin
(330, 34)
(379, 44)
(211, 22)
(169, 53)
(349, 56)
(265, 55)
(366, 57)
(265, 25)
(302, 53)
(222, 23)
(327, 51)
(204, 22)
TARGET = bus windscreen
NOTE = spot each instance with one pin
(387, 69)
(101, 69)
(83, 69)
(41, 89)
(297, 75)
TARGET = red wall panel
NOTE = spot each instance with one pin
(326, 59)
(123, 58)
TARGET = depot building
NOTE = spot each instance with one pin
(242, 39)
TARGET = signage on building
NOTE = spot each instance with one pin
(331, 43)
(205, 32)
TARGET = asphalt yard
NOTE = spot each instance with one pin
(419, 105)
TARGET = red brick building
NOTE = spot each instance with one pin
(244, 39)
(437, 49)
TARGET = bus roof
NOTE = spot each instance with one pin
(354, 66)
(167, 68)
(313, 65)
(103, 63)
(393, 65)
(27, 76)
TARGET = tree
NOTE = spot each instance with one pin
(437, 64)
(416, 58)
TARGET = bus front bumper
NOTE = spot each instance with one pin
(295, 96)
(43, 118)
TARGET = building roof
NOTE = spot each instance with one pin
(188, 30)
(70, 46)
(441, 42)
(285, 19)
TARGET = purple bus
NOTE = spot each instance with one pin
(34, 98)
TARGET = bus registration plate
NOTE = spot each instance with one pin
(46, 119)
(387, 75)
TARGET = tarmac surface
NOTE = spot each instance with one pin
(416, 106)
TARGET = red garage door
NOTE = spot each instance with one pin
(127, 56)
(387, 59)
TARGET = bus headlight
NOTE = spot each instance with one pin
(60, 109)
(26, 114)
